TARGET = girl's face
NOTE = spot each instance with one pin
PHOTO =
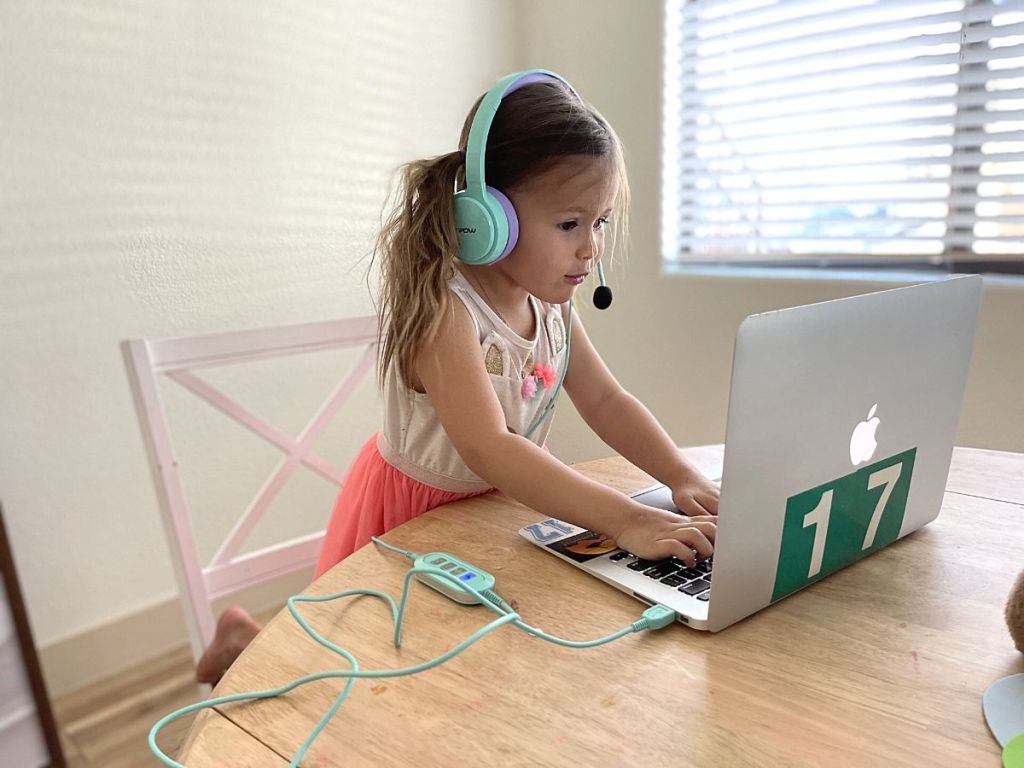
(563, 212)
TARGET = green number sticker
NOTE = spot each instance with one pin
(831, 526)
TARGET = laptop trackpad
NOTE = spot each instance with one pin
(660, 497)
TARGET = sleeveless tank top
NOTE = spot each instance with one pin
(412, 438)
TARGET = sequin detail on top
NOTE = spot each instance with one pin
(492, 360)
(497, 355)
(556, 331)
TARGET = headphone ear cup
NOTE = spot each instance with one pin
(508, 211)
(483, 226)
(475, 227)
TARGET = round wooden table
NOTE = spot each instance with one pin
(882, 663)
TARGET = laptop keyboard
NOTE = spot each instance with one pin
(671, 572)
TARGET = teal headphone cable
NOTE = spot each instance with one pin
(397, 550)
(655, 617)
(351, 674)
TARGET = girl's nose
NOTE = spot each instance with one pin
(590, 249)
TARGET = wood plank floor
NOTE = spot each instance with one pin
(107, 723)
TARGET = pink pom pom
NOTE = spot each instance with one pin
(549, 376)
(546, 374)
(529, 387)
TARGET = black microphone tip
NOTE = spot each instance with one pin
(602, 297)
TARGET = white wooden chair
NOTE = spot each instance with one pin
(177, 358)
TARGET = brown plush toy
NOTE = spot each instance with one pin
(1015, 612)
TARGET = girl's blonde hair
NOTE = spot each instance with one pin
(535, 127)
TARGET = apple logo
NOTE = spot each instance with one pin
(863, 443)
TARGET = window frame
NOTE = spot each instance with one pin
(955, 258)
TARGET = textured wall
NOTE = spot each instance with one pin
(193, 167)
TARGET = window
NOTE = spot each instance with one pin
(845, 133)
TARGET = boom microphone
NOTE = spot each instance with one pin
(602, 294)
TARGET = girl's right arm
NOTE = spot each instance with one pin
(452, 372)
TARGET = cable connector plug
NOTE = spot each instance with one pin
(494, 598)
(655, 617)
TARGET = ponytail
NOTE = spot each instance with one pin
(417, 245)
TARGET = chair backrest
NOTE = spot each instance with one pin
(177, 358)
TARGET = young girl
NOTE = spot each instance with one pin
(480, 337)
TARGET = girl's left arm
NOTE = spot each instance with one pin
(628, 428)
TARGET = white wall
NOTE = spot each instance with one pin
(669, 339)
(191, 167)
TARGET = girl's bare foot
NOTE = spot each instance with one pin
(235, 630)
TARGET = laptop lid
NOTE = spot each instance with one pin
(841, 423)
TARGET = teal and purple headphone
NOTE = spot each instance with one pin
(485, 218)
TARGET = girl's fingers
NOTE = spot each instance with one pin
(699, 504)
(691, 507)
(679, 550)
(698, 519)
(695, 539)
(707, 527)
(709, 501)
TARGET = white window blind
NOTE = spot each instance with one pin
(886, 133)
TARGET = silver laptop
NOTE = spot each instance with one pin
(842, 417)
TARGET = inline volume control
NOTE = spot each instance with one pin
(460, 572)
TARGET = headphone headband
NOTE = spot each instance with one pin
(476, 143)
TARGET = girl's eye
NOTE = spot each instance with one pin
(569, 226)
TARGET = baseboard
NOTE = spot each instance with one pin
(137, 637)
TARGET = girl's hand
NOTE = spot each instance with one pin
(655, 534)
(696, 495)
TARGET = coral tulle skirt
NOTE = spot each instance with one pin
(375, 498)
